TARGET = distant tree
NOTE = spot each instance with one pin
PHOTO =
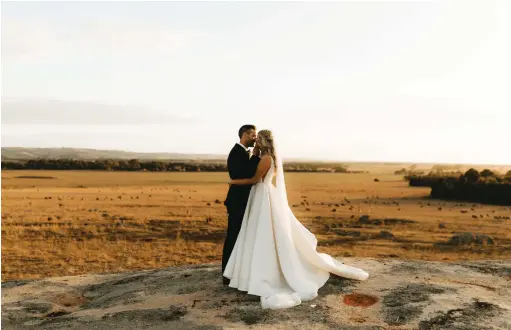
(487, 173)
(123, 165)
(472, 175)
(134, 164)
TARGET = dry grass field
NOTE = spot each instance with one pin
(57, 223)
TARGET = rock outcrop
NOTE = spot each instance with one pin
(398, 295)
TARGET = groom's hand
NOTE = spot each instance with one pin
(256, 151)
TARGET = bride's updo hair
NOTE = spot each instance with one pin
(266, 141)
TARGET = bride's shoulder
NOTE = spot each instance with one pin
(266, 158)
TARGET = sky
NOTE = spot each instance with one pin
(425, 81)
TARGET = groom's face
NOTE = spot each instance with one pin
(251, 137)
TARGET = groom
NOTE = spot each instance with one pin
(241, 165)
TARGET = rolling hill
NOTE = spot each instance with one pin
(18, 153)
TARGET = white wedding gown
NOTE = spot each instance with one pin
(275, 256)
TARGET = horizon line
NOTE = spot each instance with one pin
(290, 158)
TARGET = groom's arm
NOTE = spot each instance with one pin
(236, 164)
(262, 167)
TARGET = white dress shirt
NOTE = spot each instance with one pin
(246, 149)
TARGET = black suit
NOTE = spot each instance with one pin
(240, 166)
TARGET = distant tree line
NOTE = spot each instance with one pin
(473, 186)
(436, 170)
(154, 166)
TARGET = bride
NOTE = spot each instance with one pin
(275, 256)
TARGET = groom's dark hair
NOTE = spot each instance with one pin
(244, 129)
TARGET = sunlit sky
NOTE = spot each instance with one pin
(351, 81)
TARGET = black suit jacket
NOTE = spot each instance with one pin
(240, 166)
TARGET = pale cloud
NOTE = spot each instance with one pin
(134, 36)
(23, 38)
(36, 39)
(48, 112)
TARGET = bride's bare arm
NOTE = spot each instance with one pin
(262, 168)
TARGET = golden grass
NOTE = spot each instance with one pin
(91, 222)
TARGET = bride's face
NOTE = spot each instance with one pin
(258, 142)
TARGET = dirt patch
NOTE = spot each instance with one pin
(337, 285)
(406, 303)
(489, 268)
(390, 222)
(69, 299)
(37, 307)
(360, 300)
(366, 220)
(113, 299)
(250, 315)
(470, 238)
(413, 268)
(317, 313)
(115, 292)
(402, 315)
(412, 293)
(12, 284)
(384, 234)
(57, 314)
(463, 319)
(352, 233)
(150, 315)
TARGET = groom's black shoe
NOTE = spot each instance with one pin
(226, 280)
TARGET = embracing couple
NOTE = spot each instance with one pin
(267, 251)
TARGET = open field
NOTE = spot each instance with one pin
(57, 223)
